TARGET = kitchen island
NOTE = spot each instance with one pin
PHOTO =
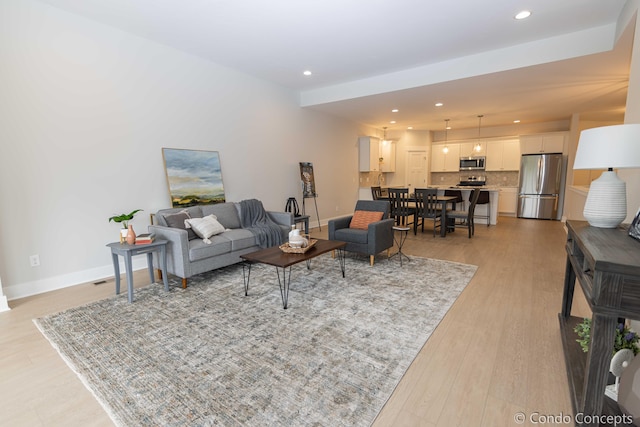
(494, 194)
(492, 207)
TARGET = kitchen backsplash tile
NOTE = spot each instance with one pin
(498, 179)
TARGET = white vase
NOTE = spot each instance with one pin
(123, 235)
(296, 241)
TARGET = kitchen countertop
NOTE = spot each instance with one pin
(491, 209)
(453, 187)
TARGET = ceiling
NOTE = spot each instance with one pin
(370, 56)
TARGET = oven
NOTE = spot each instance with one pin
(474, 163)
(473, 181)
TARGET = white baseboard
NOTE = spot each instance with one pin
(26, 289)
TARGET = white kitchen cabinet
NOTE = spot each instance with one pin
(372, 150)
(445, 162)
(437, 158)
(468, 149)
(503, 155)
(388, 156)
(543, 143)
(452, 159)
(369, 154)
(511, 155)
(494, 156)
(508, 201)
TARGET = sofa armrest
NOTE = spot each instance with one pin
(177, 248)
(282, 218)
(337, 224)
(380, 235)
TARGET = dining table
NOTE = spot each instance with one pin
(443, 201)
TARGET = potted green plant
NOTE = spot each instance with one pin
(624, 338)
(124, 220)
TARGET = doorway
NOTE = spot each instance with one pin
(416, 171)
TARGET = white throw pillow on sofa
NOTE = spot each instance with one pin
(205, 227)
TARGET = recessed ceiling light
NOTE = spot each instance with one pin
(523, 15)
(516, 121)
(439, 104)
(306, 73)
(410, 127)
(395, 110)
(393, 122)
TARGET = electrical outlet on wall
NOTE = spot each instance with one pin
(34, 260)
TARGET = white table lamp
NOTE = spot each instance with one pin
(608, 147)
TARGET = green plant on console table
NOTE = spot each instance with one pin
(625, 338)
(124, 218)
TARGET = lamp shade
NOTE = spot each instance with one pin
(609, 147)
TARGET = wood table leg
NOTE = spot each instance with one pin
(598, 361)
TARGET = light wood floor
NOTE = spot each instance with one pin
(496, 353)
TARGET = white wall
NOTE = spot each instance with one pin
(632, 111)
(407, 140)
(628, 21)
(84, 112)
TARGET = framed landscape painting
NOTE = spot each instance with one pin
(194, 177)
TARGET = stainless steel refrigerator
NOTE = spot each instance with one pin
(540, 185)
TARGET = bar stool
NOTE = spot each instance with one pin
(483, 199)
(459, 198)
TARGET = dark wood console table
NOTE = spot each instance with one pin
(606, 264)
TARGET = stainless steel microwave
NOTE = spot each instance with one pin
(473, 163)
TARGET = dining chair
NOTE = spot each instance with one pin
(400, 209)
(458, 198)
(427, 207)
(466, 215)
(484, 199)
(376, 192)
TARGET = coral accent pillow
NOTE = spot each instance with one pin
(362, 219)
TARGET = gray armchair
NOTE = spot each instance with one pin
(375, 239)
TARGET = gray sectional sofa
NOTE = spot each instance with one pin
(188, 254)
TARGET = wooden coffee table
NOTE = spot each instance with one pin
(282, 260)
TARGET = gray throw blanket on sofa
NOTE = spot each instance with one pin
(255, 219)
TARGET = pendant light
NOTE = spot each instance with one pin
(445, 149)
(384, 143)
(384, 137)
(478, 146)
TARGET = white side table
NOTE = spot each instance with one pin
(400, 235)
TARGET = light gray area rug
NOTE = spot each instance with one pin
(208, 355)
